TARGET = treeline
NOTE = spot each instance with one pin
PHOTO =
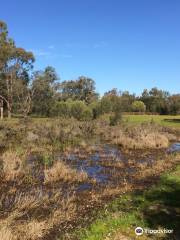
(41, 93)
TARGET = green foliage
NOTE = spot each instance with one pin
(174, 104)
(115, 119)
(77, 109)
(96, 109)
(80, 111)
(81, 89)
(44, 90)
(14, 66)
(47, 160)
(138, 106)
(106, 105)
(41, 94)
(160, 101)
(61, 109)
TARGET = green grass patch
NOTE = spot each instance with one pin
(164, 120)
(156, 208)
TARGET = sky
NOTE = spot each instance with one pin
(125, 44)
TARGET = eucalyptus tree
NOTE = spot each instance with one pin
(45, 91)
(15, 63)
(81, 89)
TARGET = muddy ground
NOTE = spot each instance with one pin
(111, 172)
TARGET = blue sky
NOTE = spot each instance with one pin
(127, 44)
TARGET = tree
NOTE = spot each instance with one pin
(115, 119)
(106, 105)
(174, 104)
(44, 88)
(81, 89)
(14, 62)
(112, 92)
(126, 101)
(138, 106)
(156, 100)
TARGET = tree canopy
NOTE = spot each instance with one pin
(24, 91)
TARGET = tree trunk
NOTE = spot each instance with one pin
(8, 106)
(9, 82)
(1, 113)
(9, 113)
(9, 110)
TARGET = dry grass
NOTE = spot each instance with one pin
(26, 202)
(150, 140)
(158, 167)
(140, 137)
(6, 233)
(61, 172)
(35, 229)
(33, 215)
(21, 224)
(65, 212)
(12, 165)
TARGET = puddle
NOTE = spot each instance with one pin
(103, 164)
(175, 147)
(95, 157)
(95, 172)
(92, 164)
(84, 187)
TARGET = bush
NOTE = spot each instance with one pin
(138, 106)
(61, 109)
(106, 105)
(117, 109)
(96, 109)
(115, 119)
(77, 109)
(81, 111)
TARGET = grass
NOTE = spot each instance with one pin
(38, 198)
(156, 208)
(12, 165)
(164, 120)
(19, 223)
(140, 136)
(61, 172)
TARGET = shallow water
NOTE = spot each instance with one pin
(101, 164)
(94, 167)
(91, 163)
(175, 147)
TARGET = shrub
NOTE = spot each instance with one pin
(61, 109)
(96, 109)
(106, 105)
(80, 111)
(116, 118)
(138, 106)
